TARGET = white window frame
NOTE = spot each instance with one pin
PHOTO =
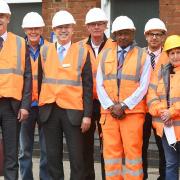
(106, 6)
(23, 1)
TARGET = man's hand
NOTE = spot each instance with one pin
(22, 115)
(166, 117)
(86, 123)
(165, 114)
(117, 111)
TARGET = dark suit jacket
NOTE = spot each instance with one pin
(75, 116)
(25, 103)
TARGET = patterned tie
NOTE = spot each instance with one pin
(120, 62)
(1, 42)
(61, 50)
(120, 65)
(152, 55)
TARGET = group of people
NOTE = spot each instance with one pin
(111, 85)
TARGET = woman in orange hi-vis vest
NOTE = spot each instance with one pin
(122, 82)
(164, 105)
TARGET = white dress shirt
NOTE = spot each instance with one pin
(66, 46)
(96, 48)
(4, 36)
(135, 97)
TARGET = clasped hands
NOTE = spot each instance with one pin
(117, 111)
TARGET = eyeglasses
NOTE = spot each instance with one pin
(157, 35)
(64, 26)
(94, 24)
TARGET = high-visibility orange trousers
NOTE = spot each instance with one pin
(123, 139)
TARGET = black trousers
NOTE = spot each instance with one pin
(88, 143)
(57, 124)
(10, 134)
(146, 135)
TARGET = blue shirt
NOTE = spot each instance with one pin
(34, 53)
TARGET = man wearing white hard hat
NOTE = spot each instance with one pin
(122, 82)
(96, 23)
(15, 91)
(66, 98)
(155, 34)
(32, 25)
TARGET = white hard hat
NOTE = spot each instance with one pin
(155, 24)
(61, 18)
(4, 7)
(32, 19)
(94, 15)
(121, 23)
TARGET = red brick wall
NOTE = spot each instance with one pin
(170, 14)
(78, 8)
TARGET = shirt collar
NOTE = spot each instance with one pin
(4, 36)
(156, 53)
(126, 49)
(66, 46)
(95, 46)
(103, 42)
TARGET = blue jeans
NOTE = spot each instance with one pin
(172, 160)
(26, 148)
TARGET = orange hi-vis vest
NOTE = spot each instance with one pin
(130, 76)
(62, 82)
(12, 65)
(34, 66)
(157, 99)
(95, 61)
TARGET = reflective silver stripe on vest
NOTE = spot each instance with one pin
(133, 173)
(80, 60)
(61, 81)
(175, 122)
(104, 56)
(94, 74)
(113, 161)
(110, 77)
(151, 101)
(174, 99)
(65, 81)
(44, 52)
(156, 119)
(11, 71)
(134, 161)
(18, 70)
(35, 77)
(18, 42)
(153, 86)
(162, 97)
(113, 173)
(138, 68)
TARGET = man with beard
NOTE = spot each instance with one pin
(122, 82)
(66, 98)
(155, 34)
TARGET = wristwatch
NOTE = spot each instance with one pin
(123, 106)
